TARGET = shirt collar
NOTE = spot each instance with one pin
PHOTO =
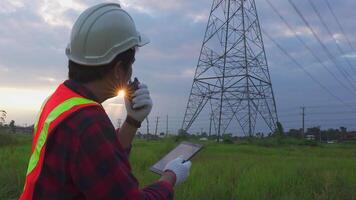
(80, 89)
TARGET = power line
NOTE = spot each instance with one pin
(330, 56)
(305, 71)
(322, 120)
(334, 120)
(308, 48)
(328, 105)
(321, 113)
(339, 24)
(333, 113)
(330, 33)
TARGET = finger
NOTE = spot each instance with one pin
(143, 103)
(141, 85)
(127, 101)
(179, 159)
(187, 164)
(141, 92)
(140, 98)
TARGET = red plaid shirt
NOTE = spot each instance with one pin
(84, 160)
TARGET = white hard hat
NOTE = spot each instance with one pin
(101, 33)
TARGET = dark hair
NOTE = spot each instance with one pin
(86, 74)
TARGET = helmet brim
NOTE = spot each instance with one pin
(143, 40)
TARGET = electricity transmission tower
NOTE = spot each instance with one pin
(232, 79)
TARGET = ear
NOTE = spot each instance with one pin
(117, 70)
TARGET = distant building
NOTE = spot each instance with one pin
(350, 136)
(310, 137)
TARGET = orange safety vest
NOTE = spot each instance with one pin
(62, 103)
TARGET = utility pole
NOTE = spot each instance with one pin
(167, 126)
(148, 125)
(211, 118)
(303, 122)
(156, 126)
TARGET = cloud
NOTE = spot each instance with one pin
(4, 69)
(152, 6)
(199, 17)
(339, 38)
(54, 12)
(138, 7)
(280, 30)
(351, 55)
(194, 11)
(47, 79)
(10, 6)
(182, 75)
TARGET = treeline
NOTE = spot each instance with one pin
(323, 135)
(13, 128)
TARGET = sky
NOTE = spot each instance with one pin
(34, 34)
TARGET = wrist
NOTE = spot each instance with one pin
(169, 176)
(132, 122)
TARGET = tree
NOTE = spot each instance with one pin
(294, 133)
(259, 135)
(204, 134)
(2, 117)
(12, 126)
(343, 129)
(182, 132)
(279, 130)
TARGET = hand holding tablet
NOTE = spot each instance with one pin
(185, 149)
(180, 168)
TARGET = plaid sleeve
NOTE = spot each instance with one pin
(102, 171)
(127, 150)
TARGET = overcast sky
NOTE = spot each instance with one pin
(34, 34)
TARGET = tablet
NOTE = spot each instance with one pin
(186, 149)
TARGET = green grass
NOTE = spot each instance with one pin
(14, 155)
(248, 170)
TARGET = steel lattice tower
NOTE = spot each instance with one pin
(232, 78)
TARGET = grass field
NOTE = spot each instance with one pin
(224, 171)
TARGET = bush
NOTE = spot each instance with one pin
(181, 137)
(227, 139)
(311, 143)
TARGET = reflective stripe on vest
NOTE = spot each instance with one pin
(56, 108)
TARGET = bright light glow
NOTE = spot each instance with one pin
(27, 99)
(23, 104)
(115, 108)
(121, 93)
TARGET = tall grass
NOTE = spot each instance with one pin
(252, 171)
(14, 155)
(227, 171)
